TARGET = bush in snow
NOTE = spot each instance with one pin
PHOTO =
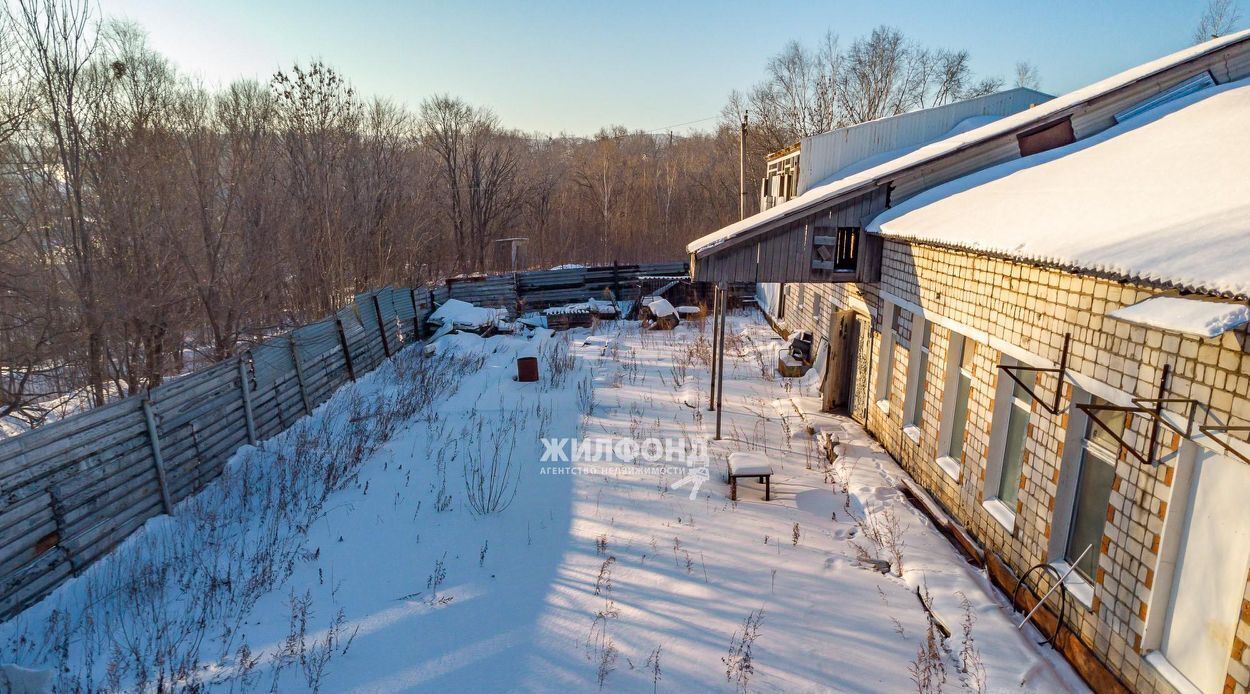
(739, 664)
(490, 476)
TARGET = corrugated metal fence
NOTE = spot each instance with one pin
(71, 490)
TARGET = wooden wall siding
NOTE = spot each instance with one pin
(785, 254)
(72, 490)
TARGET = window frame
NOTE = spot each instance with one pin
(1079, 445)
(918, 356)
(1007, 404)
(958, 346)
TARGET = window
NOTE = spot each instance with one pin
(845, 240)
(1016, 410)
(920, 377)
(1045, 137)
(781, 302)
(1013, 451)
(1094, 475)
(960, 356)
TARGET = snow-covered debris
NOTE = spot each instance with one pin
(1039, 114)
(1190, 316)
(1162, 197)
(601, 307)
(661, 308)
(465, 316)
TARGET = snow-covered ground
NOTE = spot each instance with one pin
(359, 553)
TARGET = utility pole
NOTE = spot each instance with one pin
(742, 167)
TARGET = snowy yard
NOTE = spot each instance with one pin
(408, 536)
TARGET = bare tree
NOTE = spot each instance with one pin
(60, 39)
(479, 166)
(1027, 75)
(146, 220)
(1218, 18)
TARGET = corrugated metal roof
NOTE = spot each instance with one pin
(826, 154)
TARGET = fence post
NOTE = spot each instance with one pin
(157, 460)
(416, 314)
(377, 308)
(245, 386)
(299, 372)
(347, 353)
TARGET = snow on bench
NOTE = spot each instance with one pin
(744, 464)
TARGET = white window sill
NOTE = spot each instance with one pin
(912, 432)
(1170, 673)
(884, 406)
(950, 466)
(1075, 584)
(1005, 516)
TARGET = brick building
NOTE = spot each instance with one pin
(1043, 319)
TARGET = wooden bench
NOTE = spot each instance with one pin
(749, 465)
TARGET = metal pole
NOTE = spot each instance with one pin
(157, 461)
(742, 167)
(244, 384)
(720, 371)
(711, 397)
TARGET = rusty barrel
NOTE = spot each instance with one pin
(527, 369)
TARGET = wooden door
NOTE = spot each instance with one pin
(860, 364)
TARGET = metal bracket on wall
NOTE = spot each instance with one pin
(1152, 408)
(1062, 370)
(1226, 444)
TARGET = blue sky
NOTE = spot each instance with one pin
(576, 66)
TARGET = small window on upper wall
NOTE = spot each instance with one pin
(1046, 137)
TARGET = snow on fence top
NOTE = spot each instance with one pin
(1162, 197)
(1008, 124)
(1190, 316)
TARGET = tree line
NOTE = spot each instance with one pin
(150, 223)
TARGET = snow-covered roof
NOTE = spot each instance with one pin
(1190, 316)
(1015, 122)
(1163, 197)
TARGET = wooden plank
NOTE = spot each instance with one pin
(32, 582)
(157, 463)
(47, 458)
